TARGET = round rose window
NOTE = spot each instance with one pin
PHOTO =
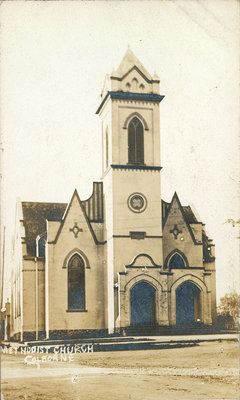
(137, 202)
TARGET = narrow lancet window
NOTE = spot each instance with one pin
(135, 142)
(76, 283)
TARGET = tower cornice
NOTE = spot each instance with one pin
(140, 167)
(119, 95)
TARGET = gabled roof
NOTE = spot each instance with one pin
(130, 61)
(75, 194)
(165, 209)
(35, 215)
(187, 213)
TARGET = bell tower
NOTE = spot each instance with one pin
(129, 111)
(131, 168)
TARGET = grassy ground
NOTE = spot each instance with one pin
(206, 371)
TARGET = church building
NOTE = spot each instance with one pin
(124, 257)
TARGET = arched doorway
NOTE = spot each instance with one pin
(188, 304)
(143, 304)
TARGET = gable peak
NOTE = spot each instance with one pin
(75, 193)
(175, 197)
(130, 61)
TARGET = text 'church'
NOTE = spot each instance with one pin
(124, 257)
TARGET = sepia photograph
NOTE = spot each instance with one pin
(119, 239)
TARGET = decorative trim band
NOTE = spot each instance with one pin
(96, 242)
(119, 95)
(185, 268)
(129, 236)
(145, 267)
(166, 273)
(118, 78)
(141, 167)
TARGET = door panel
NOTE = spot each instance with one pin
(143, 308)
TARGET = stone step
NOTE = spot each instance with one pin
(151, 330)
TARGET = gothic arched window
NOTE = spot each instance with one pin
(135, 142)
(176, 261)
(76, 283)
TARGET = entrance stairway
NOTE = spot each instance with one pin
(140, 339)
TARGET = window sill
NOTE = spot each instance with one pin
(76, 310)
(136, 163)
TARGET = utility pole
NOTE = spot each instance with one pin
(2, 310)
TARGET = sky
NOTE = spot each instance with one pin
(54, 57)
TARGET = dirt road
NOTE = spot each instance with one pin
(208, 370)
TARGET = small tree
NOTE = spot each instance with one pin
(229, 308)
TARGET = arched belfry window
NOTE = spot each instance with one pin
(135, 142)
(176, 261)
(76, 283)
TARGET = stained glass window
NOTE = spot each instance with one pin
(176, 262)
(76, 283)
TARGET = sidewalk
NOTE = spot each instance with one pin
(117, 343)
